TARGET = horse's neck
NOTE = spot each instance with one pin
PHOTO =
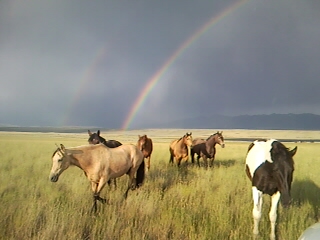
(75, 160)
(78, 160)
(102, 140)
(211, 142)
(181, 143)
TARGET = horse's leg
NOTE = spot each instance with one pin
(273, 214)
(131, 183)
(115, 183)
(148, 162)
(204, 157)
(178, 161)
(257, 208)
(171, 158)
(198, 160)
(96, 188)
(192, 155)
(211, 159)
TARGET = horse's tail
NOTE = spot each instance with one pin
(140, 174)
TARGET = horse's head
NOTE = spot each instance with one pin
(95, 138)
(219, 139)
(283, 169)
(59, 163)
(187, 139)
(142, 142)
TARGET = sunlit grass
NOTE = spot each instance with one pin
(185, 203)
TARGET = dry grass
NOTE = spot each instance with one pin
(185, 203)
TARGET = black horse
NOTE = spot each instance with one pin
(95, 138)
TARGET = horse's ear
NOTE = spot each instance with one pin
(294, 151)
(98, 132)
(62, 147)
(89, 132)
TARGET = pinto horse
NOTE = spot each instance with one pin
(100, 164)
(206, 148)
(269, 166)
(95, 138)
(179, 148)
(145, 145)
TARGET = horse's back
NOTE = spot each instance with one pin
(133, 152)
(198, 141)
(197, 145)
(113, 143)
(258, 153)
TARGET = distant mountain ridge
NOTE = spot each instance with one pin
(305, 121)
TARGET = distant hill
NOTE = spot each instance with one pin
(268, 122)
(304, 121)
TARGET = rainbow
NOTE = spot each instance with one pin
(151, 83)
(88, 75)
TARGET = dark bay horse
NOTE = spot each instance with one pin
(179, 149)
(269, 166)
(95, 138)
(206, 148)
(145, 145)
(100, 164)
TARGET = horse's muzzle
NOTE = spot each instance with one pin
(54, 178)
(285, 200)
(222, 145)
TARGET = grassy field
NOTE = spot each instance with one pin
(185, 203)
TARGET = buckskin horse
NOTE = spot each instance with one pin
(179, 149)
(269, 166)
(145, 145)
(95, 138)
(206, 148)
(100, 164)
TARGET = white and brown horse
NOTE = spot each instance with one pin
(179, 149)
(100, 164)
(269, 166)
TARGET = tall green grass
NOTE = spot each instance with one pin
(185, 203)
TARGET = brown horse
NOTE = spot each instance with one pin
(179, 149)
(206, 148)
(100, 164)
(145, 145)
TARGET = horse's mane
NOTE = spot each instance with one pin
(58, 149)
(279, 149)
(211, 136)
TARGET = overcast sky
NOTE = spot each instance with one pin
(84, 63)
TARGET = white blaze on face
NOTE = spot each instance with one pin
(258, 154)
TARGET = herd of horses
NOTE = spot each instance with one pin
(269, 165)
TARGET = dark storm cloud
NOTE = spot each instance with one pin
(261, 58)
